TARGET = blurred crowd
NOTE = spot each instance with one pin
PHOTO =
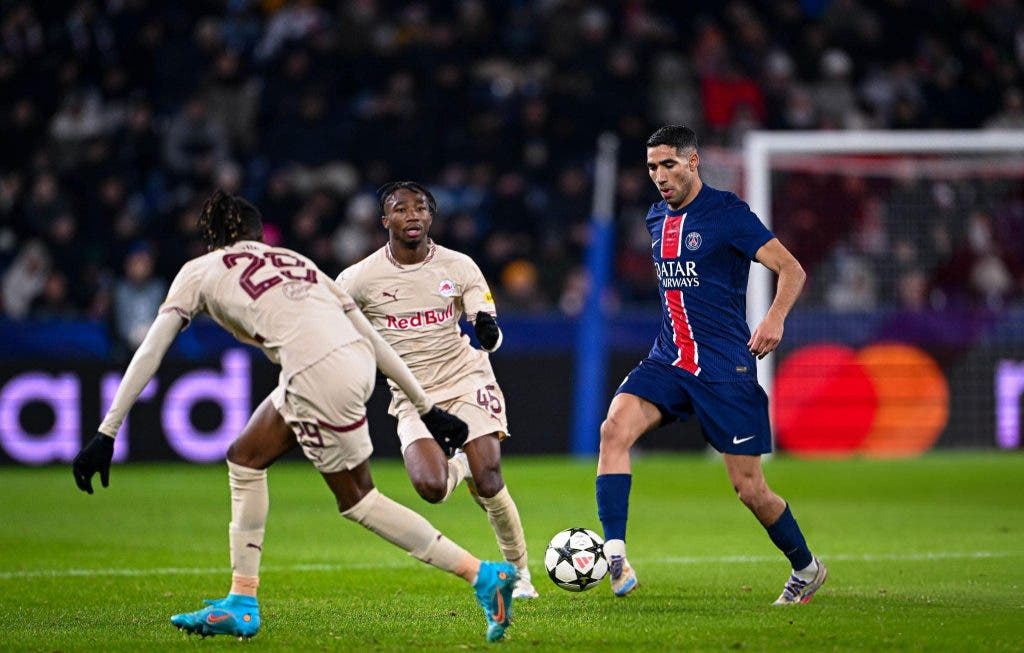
(118, 118)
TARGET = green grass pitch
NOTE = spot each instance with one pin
(925, 554)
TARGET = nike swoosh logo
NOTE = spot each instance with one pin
(499, 616)
(217, 618)
(655, 243)
(736, 440)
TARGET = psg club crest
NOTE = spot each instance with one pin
(447, 288)
(692, 241)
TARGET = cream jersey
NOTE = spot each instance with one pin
(416, 308)
(270, 297)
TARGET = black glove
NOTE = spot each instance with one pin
(487, 331)
(449, 431)
(94, 457)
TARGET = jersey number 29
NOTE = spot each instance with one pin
(283, 262)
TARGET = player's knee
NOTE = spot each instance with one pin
(489, 483)
(614, 434)
(245, 457)
(431, 490)
(751, 491)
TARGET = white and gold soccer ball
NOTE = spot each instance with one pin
(575, 559)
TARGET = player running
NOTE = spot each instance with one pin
(702, 362)
(277, 300)
(414, 292)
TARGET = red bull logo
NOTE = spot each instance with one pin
(447, 288)
(421, 318)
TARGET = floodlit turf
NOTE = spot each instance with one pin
(924, 555)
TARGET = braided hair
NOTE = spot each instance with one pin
(385, 192)
(227, 219)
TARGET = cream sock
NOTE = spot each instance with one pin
(250, 503)
(504, 518)
(457, 471)
(410, 532)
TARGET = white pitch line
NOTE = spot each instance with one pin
(846, 557)
(672, 560)
(191, 571)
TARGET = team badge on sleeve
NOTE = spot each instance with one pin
(447, 288)
(693, 241)
(488, 297)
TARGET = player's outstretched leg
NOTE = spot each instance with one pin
(629, 417)
(488, 488)
(808, 573)
(361, 502)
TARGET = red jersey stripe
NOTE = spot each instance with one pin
(342, 429)
(671, 236)
(682, 333)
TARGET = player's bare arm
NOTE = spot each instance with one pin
(774, 256)
(96, 455)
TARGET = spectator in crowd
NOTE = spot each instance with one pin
(23, 280)
(137, 297)
(116, 116)
(54, 302)
(195, 142)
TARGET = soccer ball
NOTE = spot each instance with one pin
(575, 559)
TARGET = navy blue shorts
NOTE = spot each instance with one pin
(733, 414)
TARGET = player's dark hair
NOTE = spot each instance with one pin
(385, 192)
(680, 137)
(227, 219)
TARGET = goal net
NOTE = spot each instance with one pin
(910, 331)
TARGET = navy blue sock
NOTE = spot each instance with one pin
(786, 535)
(613, 504)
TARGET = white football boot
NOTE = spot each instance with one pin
(622, 575)
(524, 588)
(802, 591)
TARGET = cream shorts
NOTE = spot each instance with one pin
(483, 411)
(325, 406)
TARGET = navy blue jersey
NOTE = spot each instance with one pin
(702, 255)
